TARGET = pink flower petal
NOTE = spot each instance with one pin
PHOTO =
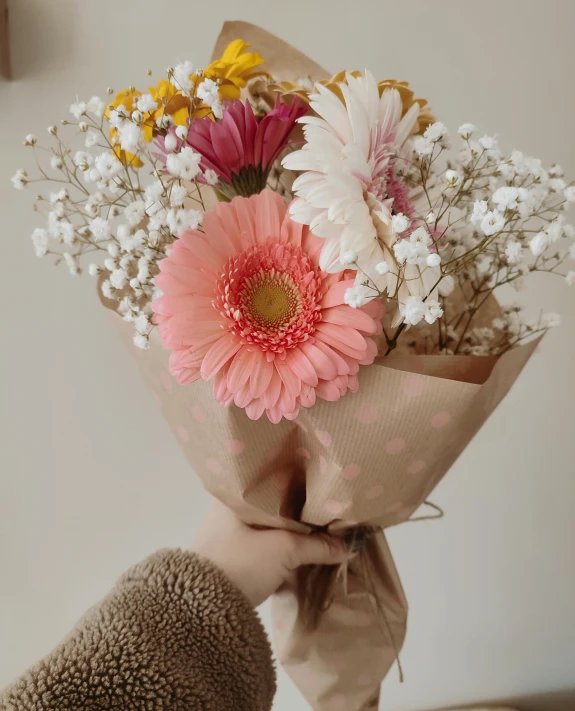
(322, 364)
(301, 367)
(335, 295)
(219, 354)
(341, 365)
(260, 375)
(272, 393)
(270, 212)
(328, 390)
(240, 368)
(345, 340)
(255, 409)
(346, 316)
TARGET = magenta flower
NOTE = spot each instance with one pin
(241, 148)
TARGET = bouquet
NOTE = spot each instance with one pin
(307, 271)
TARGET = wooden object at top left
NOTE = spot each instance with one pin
(4, 45)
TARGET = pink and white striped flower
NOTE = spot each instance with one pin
(350, 187)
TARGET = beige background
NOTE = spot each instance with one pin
(91, 479)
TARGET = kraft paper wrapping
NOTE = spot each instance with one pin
(371, 458)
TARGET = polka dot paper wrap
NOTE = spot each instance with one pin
(370, 458)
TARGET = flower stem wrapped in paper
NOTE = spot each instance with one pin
(323, 360)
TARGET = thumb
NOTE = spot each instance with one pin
(318, 549)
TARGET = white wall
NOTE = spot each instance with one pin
(90, 477)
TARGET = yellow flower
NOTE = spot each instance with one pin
(126, 98)
(231, 71)
(171, 102)
(407, 95)
(234, 69)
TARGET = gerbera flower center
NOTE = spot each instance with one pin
(270, 295)
(271, 300)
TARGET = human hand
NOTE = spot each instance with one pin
(259, 561)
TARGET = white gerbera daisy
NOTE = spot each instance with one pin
(349, 191)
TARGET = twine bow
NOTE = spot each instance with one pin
(317, 584)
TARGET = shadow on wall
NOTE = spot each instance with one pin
(42, 36)
(555, 701)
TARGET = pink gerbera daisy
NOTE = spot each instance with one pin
(241, 148)
(246, 304)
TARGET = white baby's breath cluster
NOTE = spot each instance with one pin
(491, 221)
(114, 204)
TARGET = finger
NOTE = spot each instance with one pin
(318, 550)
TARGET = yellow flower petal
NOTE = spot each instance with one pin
(407, 96)
(236, 65)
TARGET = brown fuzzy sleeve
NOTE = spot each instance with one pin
(173, 635)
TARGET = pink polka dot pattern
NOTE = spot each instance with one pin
(335, 508)
(322, 464)
(157, 398)
(167, 381)
(214, 466)
(374, 492)
(198, 414)
(324, 437)
(182, 433)
(416, 466)
(301, 425)
(395, 446)
(394, 508)
(235, 446)
(414, 385)
(440, 419)
(303, 452)
(350, 471)
(367, 414)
